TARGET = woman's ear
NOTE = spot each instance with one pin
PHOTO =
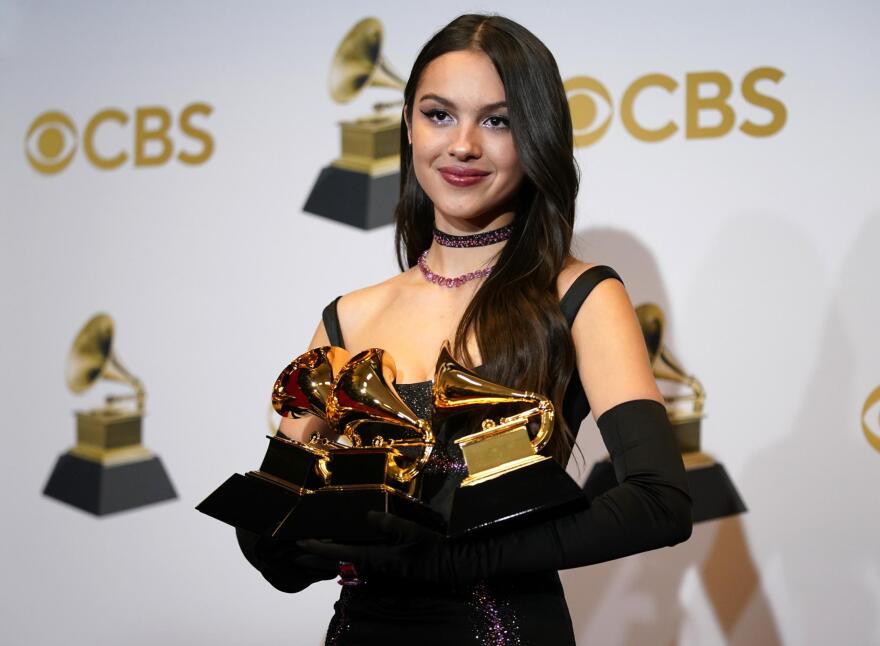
(408, 128)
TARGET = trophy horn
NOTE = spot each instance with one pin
(358, 63)
(663, 362)
(304, 386)
(458, 387)
(362, 393)
(91, 358)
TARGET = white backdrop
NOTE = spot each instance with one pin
(762, 251)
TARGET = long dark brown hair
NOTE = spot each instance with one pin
(520, 330)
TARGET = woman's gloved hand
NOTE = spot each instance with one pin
(409, 551)
(282, 563)
(650, 508)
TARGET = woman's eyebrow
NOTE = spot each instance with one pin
(450, 104)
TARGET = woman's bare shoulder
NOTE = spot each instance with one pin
(360, 305)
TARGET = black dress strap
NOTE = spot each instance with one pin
(581, 287)
(331, 323)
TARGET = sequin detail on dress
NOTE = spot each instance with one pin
(442, 463)
(339, 624)
(496, 623)
(418, 396)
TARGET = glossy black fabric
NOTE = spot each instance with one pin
(506, 590)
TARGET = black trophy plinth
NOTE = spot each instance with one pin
(359, 483)
(104, 489)
(354, 198)
(341, 515)
(250, 503)
(262, 500)
(524, 496)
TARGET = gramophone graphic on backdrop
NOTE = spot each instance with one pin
(361, 186)
(108, 469)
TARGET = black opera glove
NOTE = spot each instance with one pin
(410, 551)
(650, 508)
(282, 563)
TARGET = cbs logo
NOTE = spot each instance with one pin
(705, 92)
(871, 419)
(51, 139)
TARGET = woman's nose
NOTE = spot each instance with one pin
(465, 144)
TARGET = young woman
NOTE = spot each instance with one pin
(484, 226)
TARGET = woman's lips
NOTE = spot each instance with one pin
(462, 176)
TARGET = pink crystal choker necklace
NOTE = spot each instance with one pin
(443, 281)
(474, 239)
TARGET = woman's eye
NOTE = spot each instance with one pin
(498, 122)
(438, 116)
(442, 117)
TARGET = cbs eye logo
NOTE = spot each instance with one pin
(871, 419)
(592, 109)
(50, 142)
(52, 139)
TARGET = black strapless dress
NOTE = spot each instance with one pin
(520, 611)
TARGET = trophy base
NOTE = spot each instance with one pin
(712, 490)
(354, 198)
(531, 494)
(340, 513)
(104, 489)
(250, 503)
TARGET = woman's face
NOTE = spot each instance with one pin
(462, 148)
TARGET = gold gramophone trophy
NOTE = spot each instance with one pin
(712, 490)
(325, 488)
(108, 469)
(262, 500)
(361, 187)
(508, 480)
(378, 470)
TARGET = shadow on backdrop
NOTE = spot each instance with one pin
(818, 481)
(637, 600)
